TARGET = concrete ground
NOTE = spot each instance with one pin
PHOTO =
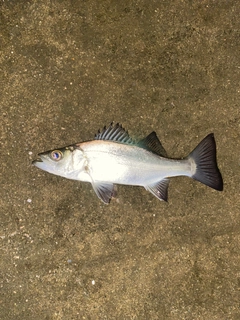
(67, 68)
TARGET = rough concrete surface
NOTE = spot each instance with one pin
(67, 68)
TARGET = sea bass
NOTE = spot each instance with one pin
(113, 157)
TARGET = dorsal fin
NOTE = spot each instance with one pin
(114, 133)
(152, 143)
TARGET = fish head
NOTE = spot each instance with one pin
(61, 162)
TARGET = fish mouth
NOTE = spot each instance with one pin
(37, 160)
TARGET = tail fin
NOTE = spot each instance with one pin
(204, 156)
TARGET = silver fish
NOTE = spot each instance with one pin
(115, 158)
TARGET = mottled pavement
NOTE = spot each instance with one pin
(67, 68)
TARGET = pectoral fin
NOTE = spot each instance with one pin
(159, 189)
(104, 190)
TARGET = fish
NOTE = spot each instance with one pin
(114, 158)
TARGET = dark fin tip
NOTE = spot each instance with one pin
(205, 159)
(159, 189)
(153, 144)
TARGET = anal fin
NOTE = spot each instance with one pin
(159, 189)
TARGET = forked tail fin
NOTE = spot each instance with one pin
(204, 157)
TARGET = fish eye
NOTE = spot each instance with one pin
(56, 155)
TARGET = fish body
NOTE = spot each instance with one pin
(114, 158)
(127, 164)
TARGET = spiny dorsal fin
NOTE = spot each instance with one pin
(152, 143)
(114, 133)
